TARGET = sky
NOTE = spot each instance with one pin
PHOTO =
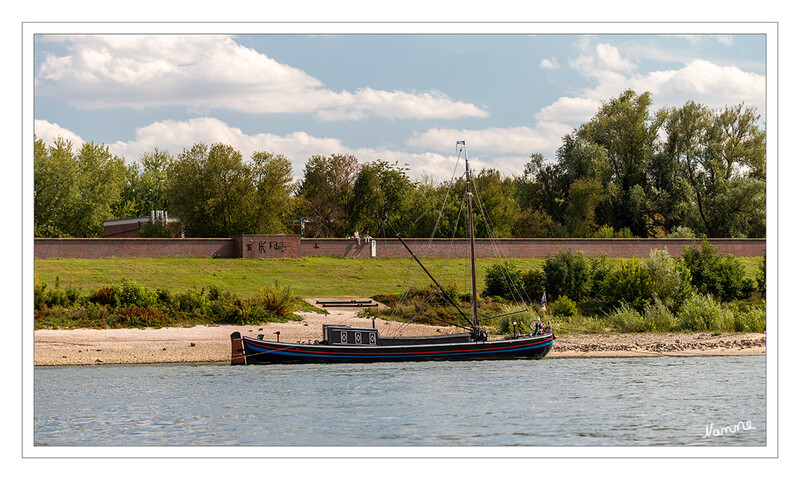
(403, 98)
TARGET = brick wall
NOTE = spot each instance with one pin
(133, 247)
(292, 246)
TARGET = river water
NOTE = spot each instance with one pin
(675, 401)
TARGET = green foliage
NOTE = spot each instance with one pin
(630, 283)
(155, 229)
(607, 231)
(134, 316)
(192, 301)
(568, 274)
(379, 189)
(533, 284)
(599, 269)
(129, 293)
(211, 190)
(327, 188)
(75, 191)
(503, 279)
(275, 205)
(625, 318)
(658, 317)
(104, 296)
(672, 281)
(702, 313)
(584, 196)
(714, 274)
(146, 186)
(681, 232)
(749, 318)
(130, 305)
(277, 299)
(563, 307)
(761, 276)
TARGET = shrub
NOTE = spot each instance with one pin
(714, 274)
(192, 301)
(599, 269)
(129, 293)
(658, 317)
(607, 231)
(502, 279)
(625, 318)
(750, 318)
(672, 281)
(237, 312)
(567, 274)
(563, 307)
(104, 296)
(277, 299)
(630, 283)
(39, 291)
(761, 276)
(701, 313)
(138, 317)
(165, 297)
(533, 284)
(681, 232)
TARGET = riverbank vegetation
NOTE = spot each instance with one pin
(127, 304)
(629, 171)
(700, 291)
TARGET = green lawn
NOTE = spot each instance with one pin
(308, 277)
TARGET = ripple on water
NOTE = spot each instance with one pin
(636, 401)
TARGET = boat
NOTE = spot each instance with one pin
(344, 344)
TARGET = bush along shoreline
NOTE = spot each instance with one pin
(128, 304)
(702, 291)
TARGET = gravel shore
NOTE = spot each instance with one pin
(211, 344)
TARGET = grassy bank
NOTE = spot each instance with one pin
(114, 293)
(309, 277)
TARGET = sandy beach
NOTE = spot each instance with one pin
(211, 344)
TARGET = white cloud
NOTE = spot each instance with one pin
(50, 131)
(514, 140)
(610, 57)
(549, 63)
(204, 72)
(611, 73)
(569, 109)
(707, 83)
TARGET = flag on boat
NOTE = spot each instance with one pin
(460, 142)
(544, 302)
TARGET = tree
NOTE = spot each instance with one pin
(275, 204)
(327, 187)
(146, 188)
(720, 161)
(55, 188)
(584, 196)
(380, 189)
(627, 134)
(211, 190)
(75, 192)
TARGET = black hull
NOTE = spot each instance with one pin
(255, 351)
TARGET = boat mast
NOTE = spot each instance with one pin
(471, 232)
